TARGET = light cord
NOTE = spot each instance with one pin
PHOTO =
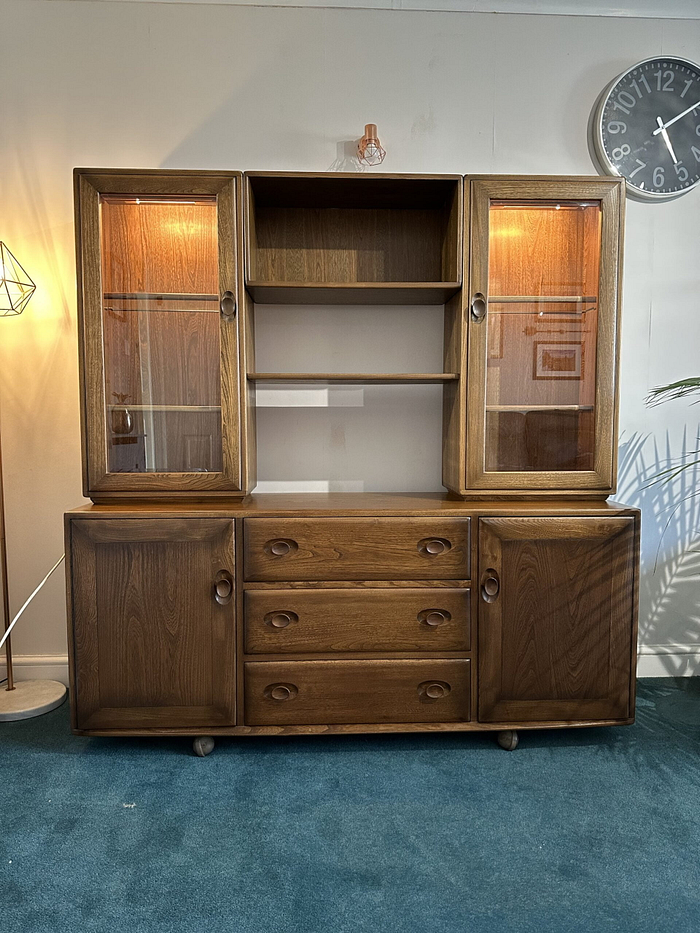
(12, 624)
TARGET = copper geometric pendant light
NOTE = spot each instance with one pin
(16, 288)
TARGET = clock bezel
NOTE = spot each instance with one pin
(601, 156)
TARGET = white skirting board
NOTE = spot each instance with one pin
(654, 661)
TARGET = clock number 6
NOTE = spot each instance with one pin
(658, 177)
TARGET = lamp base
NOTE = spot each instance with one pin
(30, 698)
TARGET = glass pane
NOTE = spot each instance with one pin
(161, 334)
(542, 331)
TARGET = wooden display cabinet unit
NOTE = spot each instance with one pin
(198, 607)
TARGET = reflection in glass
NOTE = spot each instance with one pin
(161, 336)
(542, 329)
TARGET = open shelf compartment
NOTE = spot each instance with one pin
(353, 239)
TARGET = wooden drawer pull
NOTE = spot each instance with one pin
(223, 587)
(433, 689)
(280, 619)
(431, 547)
(490, 585)
(280, 547)
(434, 617)
(280, 692)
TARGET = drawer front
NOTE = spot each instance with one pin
(296, 621)
(357, 549)
(327, 692)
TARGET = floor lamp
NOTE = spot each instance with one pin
(26, 698)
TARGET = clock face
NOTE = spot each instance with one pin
(646, 128)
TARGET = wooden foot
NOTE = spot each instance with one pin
(508, 739)
(203, 745)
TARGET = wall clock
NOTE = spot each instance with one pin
(646, 128)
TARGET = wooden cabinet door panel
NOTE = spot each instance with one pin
(557, 603)
(152, 646)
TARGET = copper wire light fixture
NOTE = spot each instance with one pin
(16, 288)
(369, 149)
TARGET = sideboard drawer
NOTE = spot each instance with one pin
(357, 549)
(296, 621)
(326, 692)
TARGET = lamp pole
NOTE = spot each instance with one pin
(3, 571)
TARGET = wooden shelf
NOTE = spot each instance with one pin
(539, 408)
(359, 378)
(155, 407)
(352, 293)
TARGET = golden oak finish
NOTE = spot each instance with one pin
(152, 646)
(303, 692)
(367, 549)
(163, 258)
(557, 617)
(296, 621)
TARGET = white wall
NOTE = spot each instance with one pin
(198, 86)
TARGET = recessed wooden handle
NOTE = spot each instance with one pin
(223, 587)
(490, 585)
(280, 692)
(280, 547)
(433, 689)
(479, 306)
(227, 305)
(280, 619)
(434, 617)
(432, 547)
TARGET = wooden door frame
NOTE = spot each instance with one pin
(90, 184)
(610, 192)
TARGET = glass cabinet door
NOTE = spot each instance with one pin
(542, 334)
(159, 310)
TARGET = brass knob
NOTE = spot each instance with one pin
(280, 619)
(490, 586)
(431, 547)
(434, 617)
(280, 692)
(227, 305)
(223, 588)
(479, 306)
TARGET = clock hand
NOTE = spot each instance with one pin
(664, 126)
(664, 135)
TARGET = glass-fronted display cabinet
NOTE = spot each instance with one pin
(543, 315)
(158, 257)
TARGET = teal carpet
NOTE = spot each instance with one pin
(579, 831)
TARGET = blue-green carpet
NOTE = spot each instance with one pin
(580, 830)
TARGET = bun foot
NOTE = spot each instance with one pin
(508, 739)
(203, 745)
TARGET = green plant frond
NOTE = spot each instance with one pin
(674, 390)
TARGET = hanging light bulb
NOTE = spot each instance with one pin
(369, 149)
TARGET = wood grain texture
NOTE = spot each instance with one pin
(554, 643)
(295, 621)
(356, 691)
(364, 549)
(152, 647)
(353, 293)
(359, 378)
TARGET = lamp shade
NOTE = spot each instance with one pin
(16, 288)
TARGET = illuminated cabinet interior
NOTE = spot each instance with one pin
(198, 606)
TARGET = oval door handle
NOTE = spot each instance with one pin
(280, 547)
(479, 306)
(280, 692)
(433, 689)
(280, 619)
(223, 587)
(434, 617)
(431, 547)
(490, 585)
(227, 305)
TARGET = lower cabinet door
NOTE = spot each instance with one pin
(557, 612)
(153, 623)
(327, 692)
